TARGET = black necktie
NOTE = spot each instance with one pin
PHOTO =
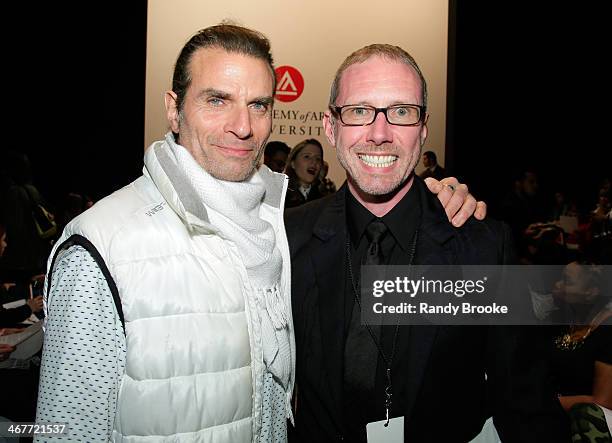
(360, 352)
(375, 232)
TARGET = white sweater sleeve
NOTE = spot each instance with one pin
(84, 351)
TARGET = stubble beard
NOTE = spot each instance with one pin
(223, 168)
(376, 184)
(215, 166)
(218, 170)
(229, 176)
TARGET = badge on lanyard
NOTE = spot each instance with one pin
(386, 432)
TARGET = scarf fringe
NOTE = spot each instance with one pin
(274, 305)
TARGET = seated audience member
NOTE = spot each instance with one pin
(433, 169)
(582, 351)
(18, 386)
(601, 214)
(544, 245)
(594, 233)
(10, 317)
(27, 252)
(13, 316)
(562, 205)
(303, 168)
(522, 207)
(275, 155)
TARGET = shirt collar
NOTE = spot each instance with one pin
(402, 220)
(304, 190)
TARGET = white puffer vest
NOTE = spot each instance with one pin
(194, 368)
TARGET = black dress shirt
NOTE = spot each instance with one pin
(364, 402)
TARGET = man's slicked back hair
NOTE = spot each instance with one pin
(227, 36)
(389, 52)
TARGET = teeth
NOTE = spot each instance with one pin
(378, 161)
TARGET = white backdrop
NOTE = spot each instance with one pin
(313, 36)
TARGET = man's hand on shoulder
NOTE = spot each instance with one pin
(456, 199)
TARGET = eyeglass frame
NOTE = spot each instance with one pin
(422, 113)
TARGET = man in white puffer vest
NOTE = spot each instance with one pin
(168, 302)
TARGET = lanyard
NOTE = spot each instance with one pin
(388, 361)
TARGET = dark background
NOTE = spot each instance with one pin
(529, 92)
(526, 89)
(76, 82)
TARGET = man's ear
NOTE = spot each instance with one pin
(172, 113)
(329, 124)
(423, 135)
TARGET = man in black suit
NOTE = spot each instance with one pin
(432, 168)
(445, 381)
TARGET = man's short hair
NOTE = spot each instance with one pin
(275, 146)
(230, 37)
(389, 52)
(431, 156)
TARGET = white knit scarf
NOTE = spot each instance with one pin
(233, 208)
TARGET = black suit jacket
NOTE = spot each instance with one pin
(295, 198)
(439, 372)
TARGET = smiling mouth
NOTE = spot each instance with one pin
(238, 152)
(378, 161)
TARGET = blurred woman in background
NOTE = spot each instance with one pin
(303, 168)
(582, 351)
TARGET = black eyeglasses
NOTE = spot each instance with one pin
(363, 115)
